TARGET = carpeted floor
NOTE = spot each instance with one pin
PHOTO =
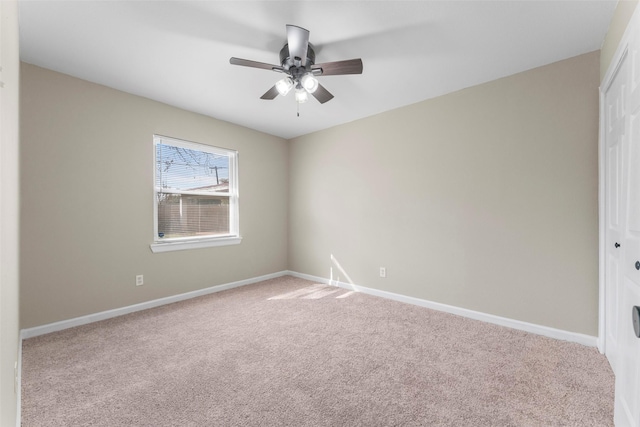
(288, 352)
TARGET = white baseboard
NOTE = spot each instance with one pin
(90, 318)
(560, 334)
(546, 331)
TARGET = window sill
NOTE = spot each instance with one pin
(194, 244)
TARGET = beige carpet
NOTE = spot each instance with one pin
(288, 352)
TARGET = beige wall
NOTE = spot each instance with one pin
(484, 199)
(87, 200)
(618, 25)
(9, 219)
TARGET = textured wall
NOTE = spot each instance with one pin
(87, 200)
(485, 199)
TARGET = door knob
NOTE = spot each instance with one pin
(637, 265)
(617, 245)
(636, 320)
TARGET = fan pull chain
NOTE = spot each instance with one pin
(298, 108)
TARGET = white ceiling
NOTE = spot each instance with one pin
(177, 52)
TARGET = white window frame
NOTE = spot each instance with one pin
(182, 243)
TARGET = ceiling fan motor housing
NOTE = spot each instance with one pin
(287, 62)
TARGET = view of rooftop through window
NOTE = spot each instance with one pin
(185, 169)
(196, 192)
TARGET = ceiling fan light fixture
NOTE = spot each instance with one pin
(301, 95)
(298, 63)
(309, 82)
(284, 86)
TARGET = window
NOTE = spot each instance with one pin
(196, 195)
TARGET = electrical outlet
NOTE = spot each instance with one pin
(383, 272)
(139, 280)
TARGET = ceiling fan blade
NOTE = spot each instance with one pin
(322, 94)
(254, 64)
(298, 40)
(350, 66)
(270, 94)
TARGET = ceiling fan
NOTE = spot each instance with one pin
(297, 62)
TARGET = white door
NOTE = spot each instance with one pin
(627, 405)
(615, 110)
